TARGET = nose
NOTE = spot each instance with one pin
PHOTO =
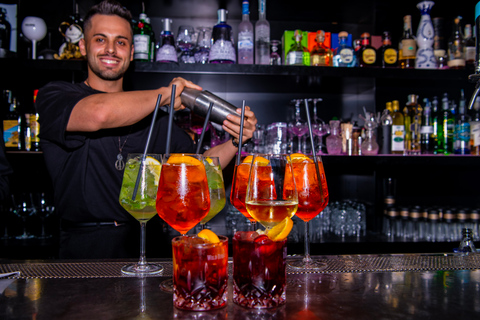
(110, 47)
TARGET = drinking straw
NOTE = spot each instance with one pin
(207, 116)
(309, 122)
(144, 156)
(170, 120)
(240, 138)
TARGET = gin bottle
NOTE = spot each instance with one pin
(262, 36)
(344, 56)
(223, 49)
(321, 55)
(245, 37)
(166, 52)
(142, 32)
(298, 55)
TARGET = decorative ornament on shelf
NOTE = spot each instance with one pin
(34, 29)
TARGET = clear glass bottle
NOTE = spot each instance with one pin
(321, 55)
(345, 55)
(262, 35)
(223, 48)
(388, 54)
(166, 52)
(466, 244)
(369, 145)
(426, 129)
(461, 144)
(142, 33)
(456, 46)
(407, 49)
(398, 129)
(435, 120)
(469, 46)
(245, 39)
(298, 55)
(334, 140)
(275, 56)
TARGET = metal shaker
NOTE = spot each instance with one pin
(199, 101)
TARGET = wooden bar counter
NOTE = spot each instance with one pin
(401, 286)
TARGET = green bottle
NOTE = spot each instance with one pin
(446, 128)
(142, 39)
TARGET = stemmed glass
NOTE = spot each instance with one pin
(239, 187)
(298, 127)
(216, 188)
(23, 207)
(312, 199)
(44, 210)
(183, 199)
(186, 42)
(271, 193)
(137, 196)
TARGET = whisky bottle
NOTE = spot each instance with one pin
(412, 119)
(398, 129)
(142, 33)
(456, 46)
(344, 56)
(388, 54)
(407, 49)
(469, 46)
(262, 35)
(366, 55)
(321, 55)
(298, 55)
(245, 37)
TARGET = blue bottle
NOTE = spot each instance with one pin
(344, 54)
(223, 48)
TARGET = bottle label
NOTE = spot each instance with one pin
(369, 56)
(426, 130)
(470, 54)
(10, 133)
(409, 47)
(346, 55)
(222, 50)
(475, 133)
(141, 46)
(398, 134)
(245, 40)
(390, 56)
(167, 53)
(295, 58)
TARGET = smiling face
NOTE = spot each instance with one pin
(108, 46)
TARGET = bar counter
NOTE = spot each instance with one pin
(401, 286)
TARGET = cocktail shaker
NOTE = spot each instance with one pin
(199, 101)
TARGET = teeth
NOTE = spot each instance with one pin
(110, 61)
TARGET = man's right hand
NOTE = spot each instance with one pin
(180, 84)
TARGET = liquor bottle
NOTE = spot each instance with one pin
(166, 52)
(321, 55)
(262, 35)
(439, 46)
(446, 127)
(223, 48)
(435, 120)
(412, 119)
(366, 55)
(245, 37)
(345, 55)
(12, 124)
(153, 41)
(334, 140)
(456, 46)
(469, 46)
(5, 31)
(426, 130)
(398, 129)
(461, 143)
(388, 54)
(475, 129)
(369, 145)
(32, 127)
(298, 55)
(466, 244)
(142, 33)
(407, 48)
(385, 136)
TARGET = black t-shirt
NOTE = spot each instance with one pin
(82, 164)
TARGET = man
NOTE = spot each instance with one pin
(89, 128)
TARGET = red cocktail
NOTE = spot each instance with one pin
(259, 270)
(239, 188)
(200, 273)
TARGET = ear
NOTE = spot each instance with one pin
(81, 45)
(131, 53)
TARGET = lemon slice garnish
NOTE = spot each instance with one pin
(209, 236)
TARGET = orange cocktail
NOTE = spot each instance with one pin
(183, 198)
(239, 187)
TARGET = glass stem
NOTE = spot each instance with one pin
(307, 258)
(143, 261)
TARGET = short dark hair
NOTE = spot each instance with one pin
(109, 8)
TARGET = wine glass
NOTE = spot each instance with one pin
(23, 208)
(183, 199)
(204, 42)
(239, 187)
(298, 127)
(312, 199)
(186, 42)
(271, 192)
(35, 29)
(44, 210)
(216, 188)
(137, 196)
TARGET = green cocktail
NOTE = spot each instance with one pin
(215, 186)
